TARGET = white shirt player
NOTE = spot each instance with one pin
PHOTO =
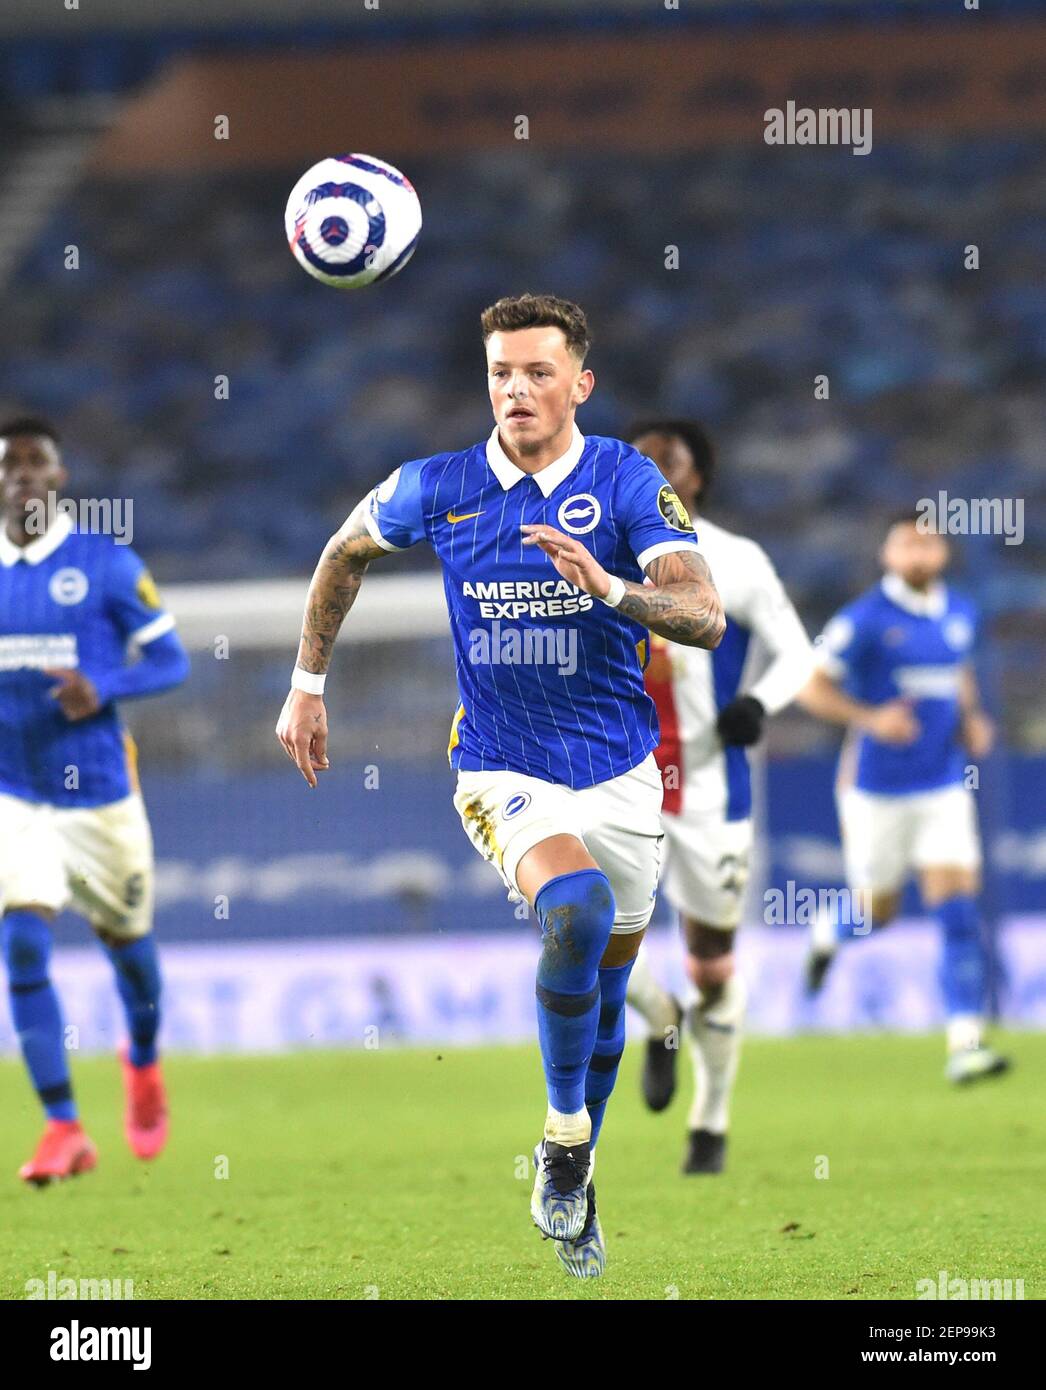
(765, 653)
(765, 639)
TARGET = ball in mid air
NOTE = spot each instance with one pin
(352, 220)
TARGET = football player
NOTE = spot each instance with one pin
(73, 827)
(712, 706)
(895, 669)
(546, 538)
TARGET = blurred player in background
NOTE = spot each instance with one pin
(544, 537)
(894, 667)
(710, 709)
(73, 828)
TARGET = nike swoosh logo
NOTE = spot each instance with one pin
(466, 517)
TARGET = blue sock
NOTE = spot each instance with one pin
(964, 966)
(576, 912)
(610, 1042)
(138, 980)
(35, 1011)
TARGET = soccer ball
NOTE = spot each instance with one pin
(352, 220)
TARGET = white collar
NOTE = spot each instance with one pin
(931, 604)
(37, 550)
(548, 478)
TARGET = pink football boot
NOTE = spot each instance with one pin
(145, 1118)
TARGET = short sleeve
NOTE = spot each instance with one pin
(842, 643)
(393, 511)
(654, 520)
(133, 600)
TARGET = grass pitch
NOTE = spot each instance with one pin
(404, 1174)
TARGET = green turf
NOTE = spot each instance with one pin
(402, 1174)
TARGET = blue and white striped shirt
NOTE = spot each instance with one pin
(896, 643)
(550, 679)
(69, 600)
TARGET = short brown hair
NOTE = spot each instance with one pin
(539, 311)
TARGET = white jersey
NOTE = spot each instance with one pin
(765, 653)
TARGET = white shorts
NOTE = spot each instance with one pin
(885, 838)
(706, 868)
(505, 814)
(96, 859)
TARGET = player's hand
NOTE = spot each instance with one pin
(574, 561)
(302, 731)
(75, 693)
(893, 722)
(977, 734)
(740, 723)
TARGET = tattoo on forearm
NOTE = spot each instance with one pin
(333, 590)
(683, 606)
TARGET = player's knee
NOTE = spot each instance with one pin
(576, 912)
(710, 956)
(709, 976)
(26, 941)
(622, 948)
(35, 909)
(881, 908)
(938, 885)
(114, 940)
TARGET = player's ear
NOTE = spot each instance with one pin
(584, 386)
